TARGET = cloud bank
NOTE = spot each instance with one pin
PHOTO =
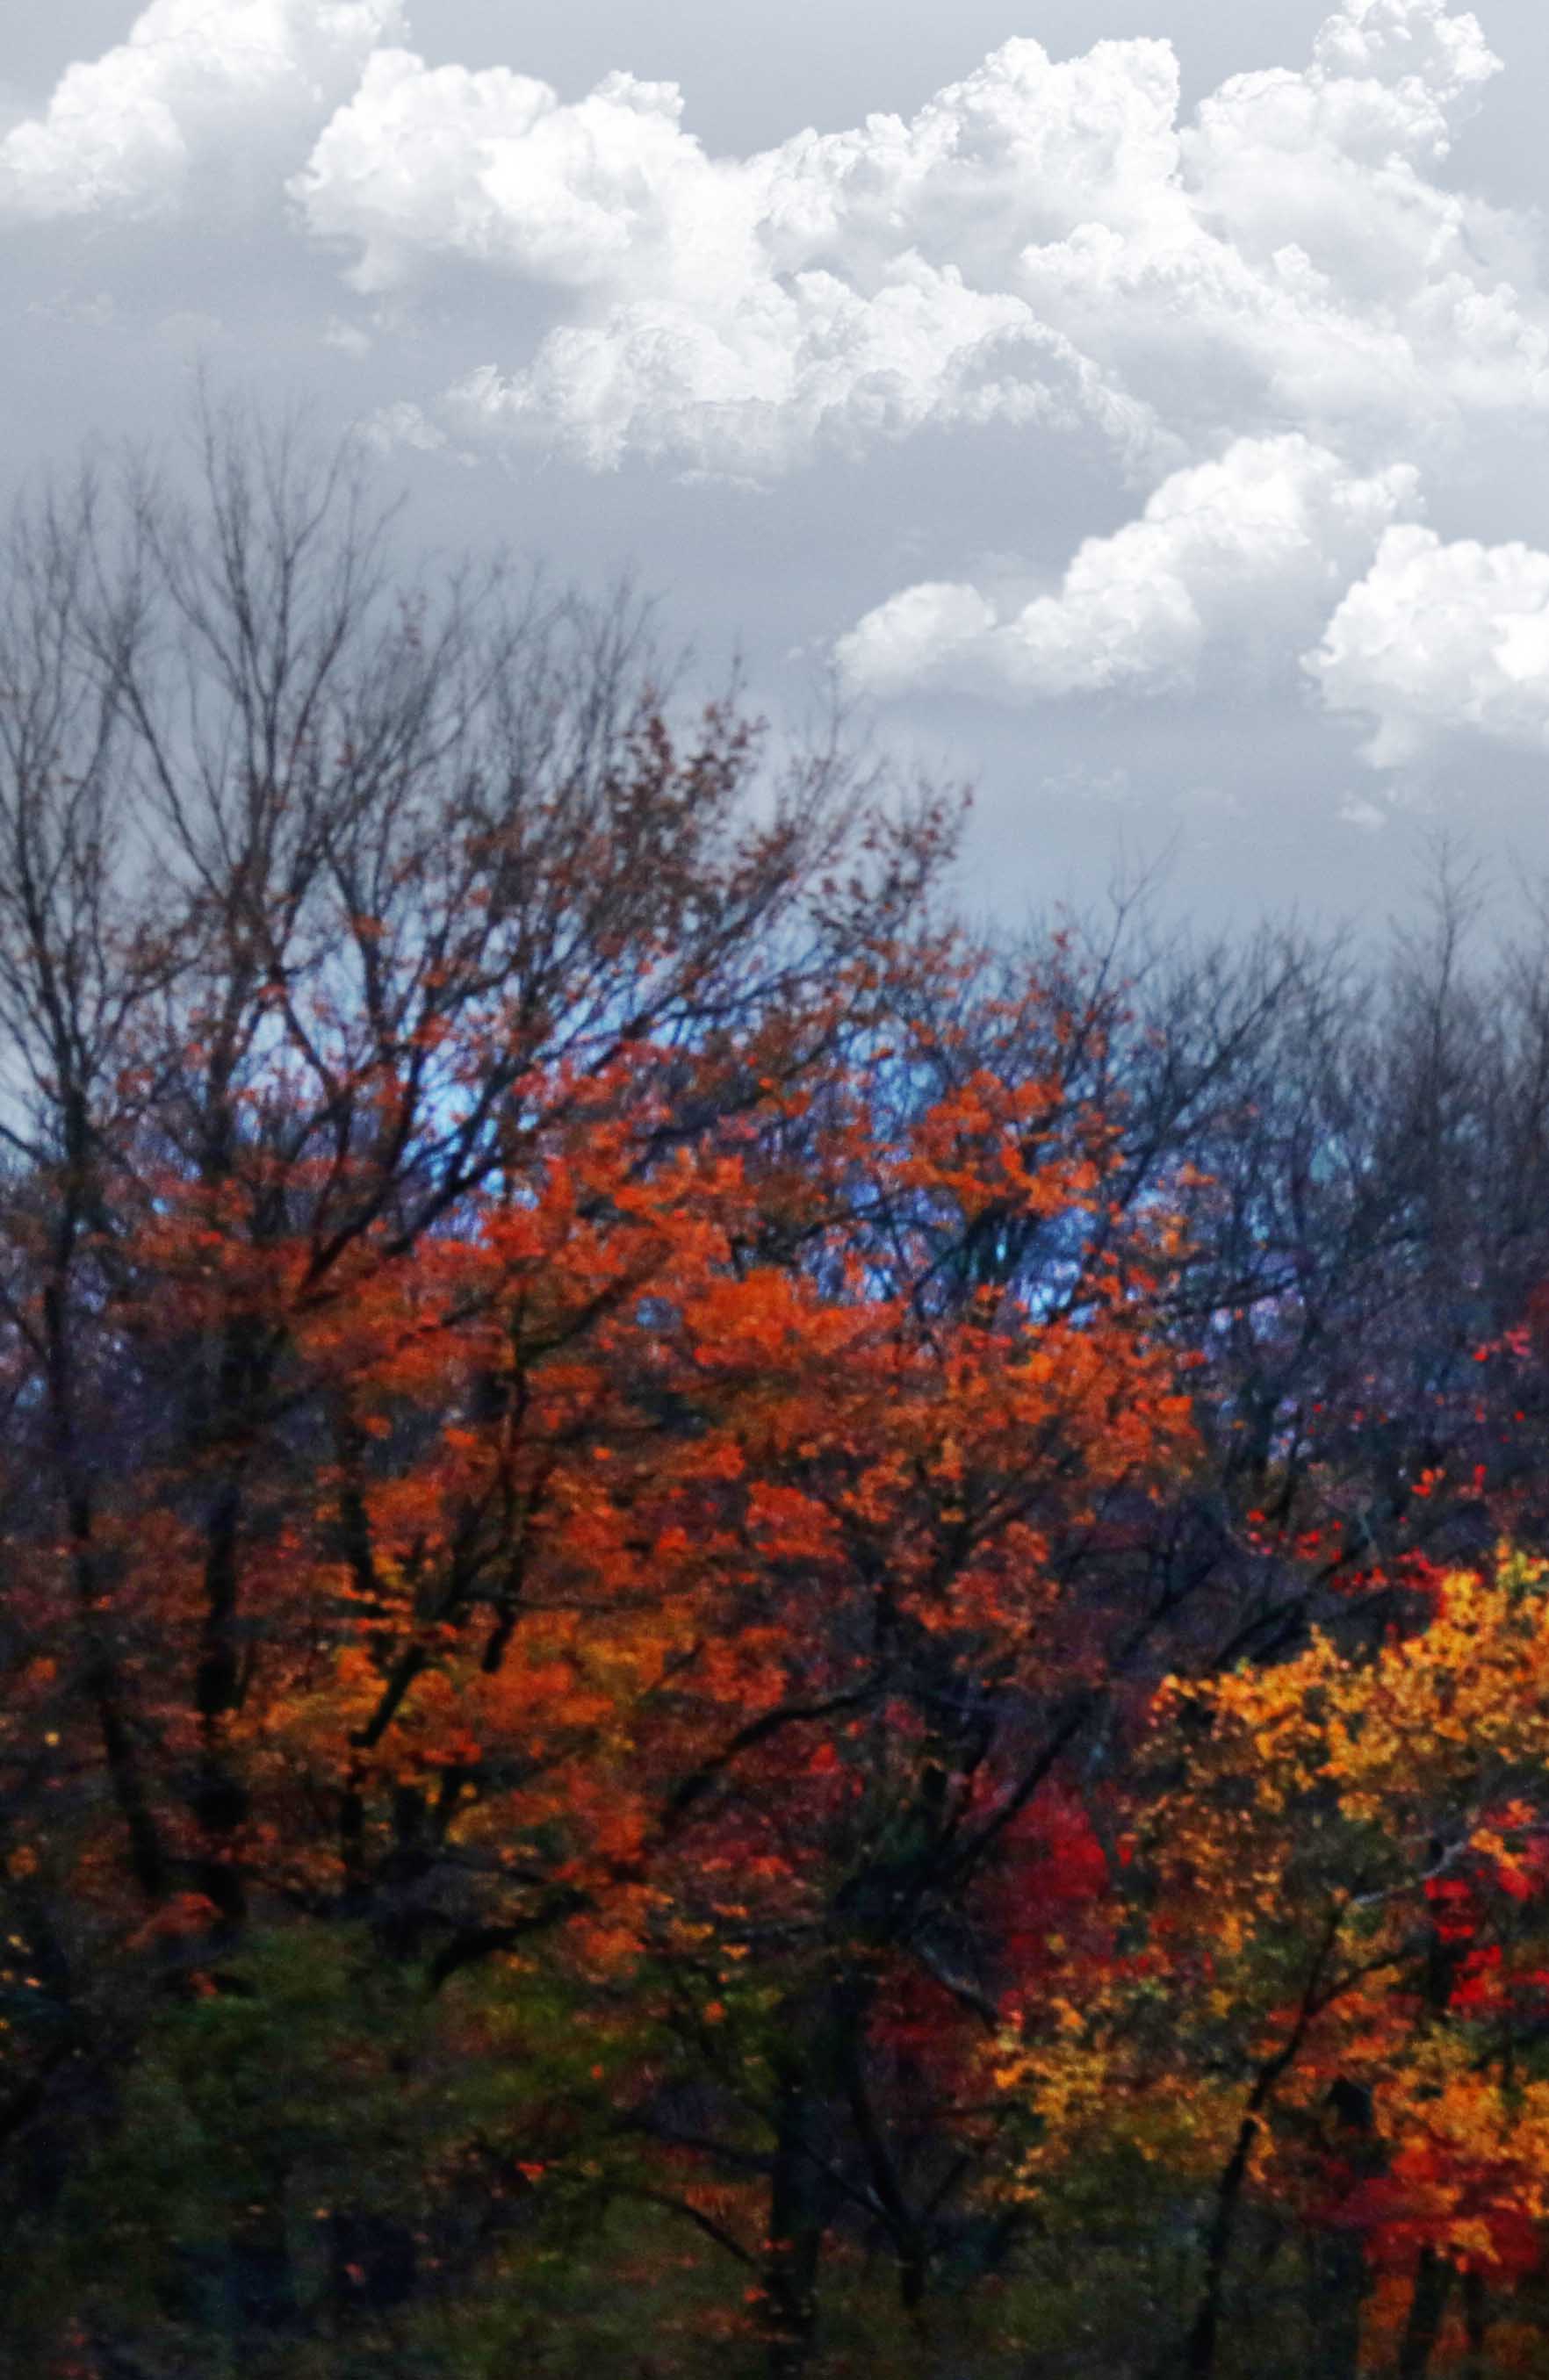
(1271, 321)
(1045, 243)
(1231, 562)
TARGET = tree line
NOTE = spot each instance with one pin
(741, 1633)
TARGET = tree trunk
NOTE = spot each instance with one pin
(1337, 2279)
(1199, 2355)
(1433, 2280)
(795, 2229)
(1476, 2324)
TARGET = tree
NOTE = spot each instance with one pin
(737, 1637)
(388, 985)
(1329, 2011)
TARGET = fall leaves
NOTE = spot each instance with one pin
(657, 1683)
(655, 1576)
(1321, 1973)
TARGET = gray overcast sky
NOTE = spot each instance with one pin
(1142, 407)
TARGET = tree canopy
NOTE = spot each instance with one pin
(739, 1635)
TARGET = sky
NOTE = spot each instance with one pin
(1136, 407)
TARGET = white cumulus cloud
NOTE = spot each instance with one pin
(429, 161)
(735, 313)
(1418, 47)
(1045, 242)
(1438, 637)
(1238, 559)
(193, 78)
(1271, 315)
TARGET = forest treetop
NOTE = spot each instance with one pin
(716, 1599)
